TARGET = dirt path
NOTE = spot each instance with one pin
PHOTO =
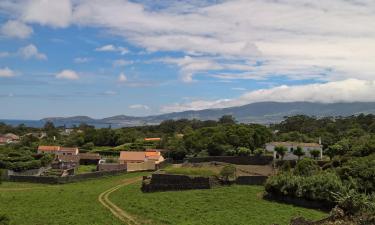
(116, 211)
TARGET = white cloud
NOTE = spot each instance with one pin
(81, 60)
(110, 93)
(31, 51)
(16, 29)
(6, 72)
(46, 12)
(300, 39)
(121, 62)
(112, 48)
(4, 54)
(139, 106)
(122, 78)
(349, 90)
(67, 75)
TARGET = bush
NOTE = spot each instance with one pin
(361, 171)
(242, 151)
(228, 171)
(306, 167)
(259, 151)
(318, 187)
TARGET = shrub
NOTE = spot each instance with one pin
(242, 151)
(315, 153)
(306, 167)
(228, 171)
(286, 167)
(259, 151)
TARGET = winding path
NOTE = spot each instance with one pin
(115, 210)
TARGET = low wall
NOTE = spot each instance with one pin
(251, 180)
(111, 166)
(32, 172)
(63, 180)
(293, 163)
(239, 160)
(149, 165)
(170, 182)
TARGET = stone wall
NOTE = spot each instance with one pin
(239, 160)
(63, 180)
(322, 205)
(111, 166)
(251, 180)
(148, 165)
(169, 182)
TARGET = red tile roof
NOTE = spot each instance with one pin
(48, 148)
(132, 156)
(152, 139)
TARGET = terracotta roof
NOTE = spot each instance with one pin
(152, 153)
(295, 144)
(12, 136)
(132, 156)
(48, 148)
(4, 140)
(152, 139)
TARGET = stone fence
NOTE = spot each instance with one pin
(239, 160)
(63, 180)
(168, 182)
(322, 205)
(251, 180)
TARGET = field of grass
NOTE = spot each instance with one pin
(235, 205)
(85, 169)
(190, 171)
(75, 203)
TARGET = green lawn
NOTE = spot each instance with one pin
(75, 203)
(85, 169)
(190, 171)
(234, 205)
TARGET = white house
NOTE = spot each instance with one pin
(291, 146)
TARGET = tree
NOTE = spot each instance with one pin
(315, 153)
(281, 150)
(306, 167)
(334, 150)
(227, 119)
(242, 151)
(228, 171)
(298, 152)
(259, 151)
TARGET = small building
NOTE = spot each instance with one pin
(291, 146)
(58, 150)
(132, 157)
(89, 158)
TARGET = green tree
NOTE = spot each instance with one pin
(281, 151)
(298, 152)
(306, 167)
(4, 220)
(227, 119)
(242, 151)
(315, 153)
(259, 151)
(334, 150)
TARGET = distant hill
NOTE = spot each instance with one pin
(261, 112)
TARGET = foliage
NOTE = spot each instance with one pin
(315, 153)
(259, 151)
(298, 152)
(306, 167)
(281, 150)
(243, 151)
(318, 187)
(227, 172)
(227, 119)
(334, 150)
(361, 171)
(354, 203)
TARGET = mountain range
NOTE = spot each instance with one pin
(261, 112)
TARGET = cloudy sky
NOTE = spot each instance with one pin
(103, 58)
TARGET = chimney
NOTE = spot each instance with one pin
(320, 140)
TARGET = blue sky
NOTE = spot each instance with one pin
(96, 58)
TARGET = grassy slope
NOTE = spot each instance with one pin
(86, 169)
(220, 206)
(190, 171)
(74, 203)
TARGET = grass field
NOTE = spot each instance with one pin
(86, 169)
(234, 205)
(75, 203)
(190, 171)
